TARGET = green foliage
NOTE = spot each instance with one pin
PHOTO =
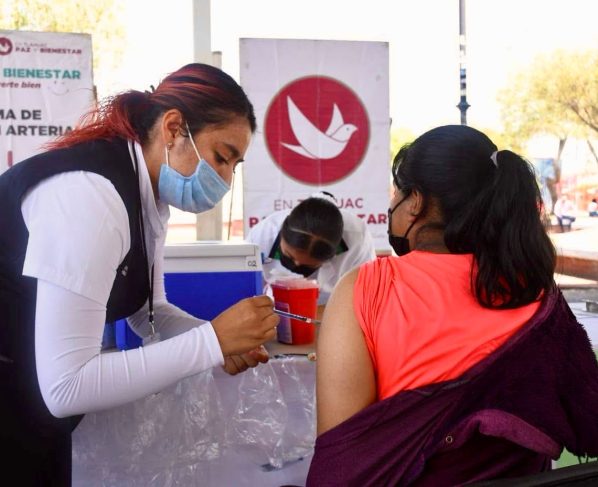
(399, 136)
(101, 19)
(575, 90)
(501, 140)
(556, 95)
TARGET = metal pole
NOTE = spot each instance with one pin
(463, 105)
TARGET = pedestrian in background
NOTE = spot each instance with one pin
(564, 210)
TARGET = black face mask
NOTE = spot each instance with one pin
(400, 245)
(304, 270)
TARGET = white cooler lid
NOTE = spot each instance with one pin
(212, 256)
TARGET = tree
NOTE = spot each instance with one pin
(576, 88)
(557, 95)
(577, 91)
(399, 136)
(499, 138)
(100, 19)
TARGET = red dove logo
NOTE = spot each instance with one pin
(317, 130)
(5, 46)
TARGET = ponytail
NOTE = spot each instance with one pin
(502, 227)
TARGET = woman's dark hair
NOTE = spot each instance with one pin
(490, 206)
(204, 94)
(316, 226)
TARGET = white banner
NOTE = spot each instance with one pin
(45, 86)
(323, 124)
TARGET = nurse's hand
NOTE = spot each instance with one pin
(235, 364)
(246, 325)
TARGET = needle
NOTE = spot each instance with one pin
(296, 317)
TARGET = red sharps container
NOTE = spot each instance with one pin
(298, 296)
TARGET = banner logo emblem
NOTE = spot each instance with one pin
(5, 46)
(317, 130)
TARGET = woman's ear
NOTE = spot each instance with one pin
(416, 202)
(172, 121)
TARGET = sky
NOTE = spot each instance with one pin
(502, 37)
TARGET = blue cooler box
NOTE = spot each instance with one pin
(204, 278)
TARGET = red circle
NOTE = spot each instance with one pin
(319, 158)
(5, 46)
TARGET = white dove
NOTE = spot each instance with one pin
(313, 143)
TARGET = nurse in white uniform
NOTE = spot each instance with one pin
(315, 240)
(82, 230)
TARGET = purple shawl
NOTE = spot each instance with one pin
(506, 416)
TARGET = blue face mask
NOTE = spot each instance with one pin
(196, 193)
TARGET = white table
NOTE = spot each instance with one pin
(256, 428)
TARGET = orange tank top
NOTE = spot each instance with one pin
(422, 323)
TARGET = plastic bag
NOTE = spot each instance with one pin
(274, 420)
(160, 440)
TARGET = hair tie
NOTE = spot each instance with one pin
(493, 157)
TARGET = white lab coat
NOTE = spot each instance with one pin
(355, 234)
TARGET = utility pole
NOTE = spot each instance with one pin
(202, 32)
(208, 224)
(463, 105)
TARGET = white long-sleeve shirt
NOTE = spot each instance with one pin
(78, 235)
